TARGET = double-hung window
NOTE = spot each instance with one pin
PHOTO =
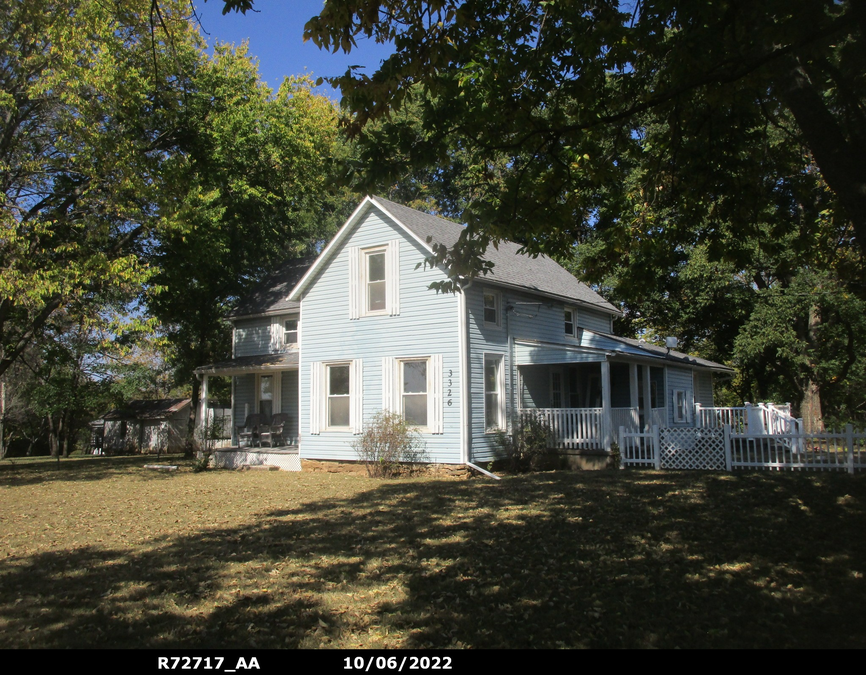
(336, 396)
(376, 286)
(337, 382)
(569, 322)
(412, 388)
(374, 280)
(413, 380)
(494, 400)
(290, 332)
(491, 308)
(681, 407)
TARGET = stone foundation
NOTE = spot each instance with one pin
(457, 471)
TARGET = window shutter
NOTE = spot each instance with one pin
(393, 276)
(316, 397)
(355, 286)
(356, 389)
(388, 380)
(434, 399)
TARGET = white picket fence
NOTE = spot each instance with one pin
(713, 448)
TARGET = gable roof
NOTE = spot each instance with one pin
(148, 410)
(272, 295)
(540, 275)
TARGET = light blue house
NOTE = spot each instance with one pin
(330, 342)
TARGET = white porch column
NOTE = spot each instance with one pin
(647, 400)
(635, 400)
(202, 417)
(605, 403)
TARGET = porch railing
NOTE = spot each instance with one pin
(573, 428)
(754, 420)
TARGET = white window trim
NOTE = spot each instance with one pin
(358, 280)
(498, 299)
(319, 397)
(392, 389)
(500, 381)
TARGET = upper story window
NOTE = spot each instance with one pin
(284, 332)
(290, 331)
(374, 280)
(492, 302)
(570, 323)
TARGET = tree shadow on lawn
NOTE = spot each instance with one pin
(87, 469)
(613, 559)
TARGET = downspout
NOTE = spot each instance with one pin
(465, 375)
(465, 381)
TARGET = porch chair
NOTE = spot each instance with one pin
(249, 432)
(273, 431)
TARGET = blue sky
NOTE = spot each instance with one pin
(276, 37)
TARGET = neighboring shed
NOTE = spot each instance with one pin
(147, 426)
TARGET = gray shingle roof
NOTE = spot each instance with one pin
(148, 410)
(271, 296)
(539, 275)
(670, 354)
(258, 362)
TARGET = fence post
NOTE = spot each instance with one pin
(849, 440)
(729, 464)
(621, 446)
(657, 447)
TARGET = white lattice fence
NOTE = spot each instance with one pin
(692, 448)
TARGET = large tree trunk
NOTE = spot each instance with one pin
(810, 407)
(839, 157)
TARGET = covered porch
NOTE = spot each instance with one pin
(264, 385)
(585, 403)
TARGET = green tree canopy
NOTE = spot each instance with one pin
(548, 102)
(252, 189)
(88, 94)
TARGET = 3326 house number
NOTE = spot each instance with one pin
(395, 663)
(450, 384)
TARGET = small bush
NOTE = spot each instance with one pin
(390, 447)
(527, 447)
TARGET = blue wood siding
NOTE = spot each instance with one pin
(426, 325)
(289, 403)
(593, 320)
(245, 394)
(704, 389)
(253, 336)
(523, 317)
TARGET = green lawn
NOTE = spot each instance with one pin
(105, 553)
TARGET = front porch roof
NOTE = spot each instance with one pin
(593, 347)
(251, 364)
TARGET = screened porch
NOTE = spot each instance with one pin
(586, 403)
